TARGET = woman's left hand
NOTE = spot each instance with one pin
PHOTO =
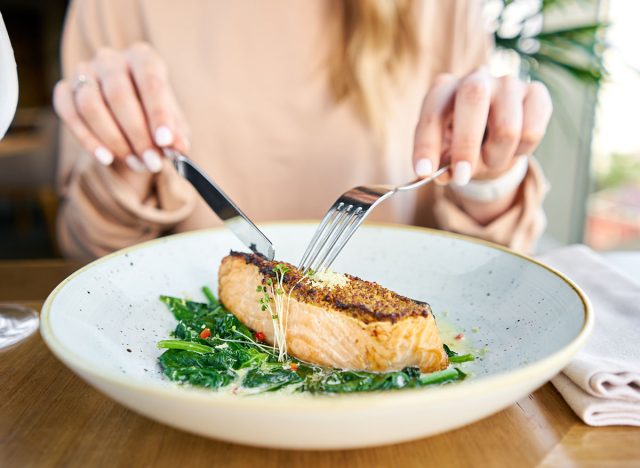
(481, 123)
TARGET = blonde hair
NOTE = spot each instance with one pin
(376, 41)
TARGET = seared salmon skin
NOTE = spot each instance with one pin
(344, 322)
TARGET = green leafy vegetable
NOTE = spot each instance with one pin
(186, 346)
(209, 295)
(231, 355)
(455, 357)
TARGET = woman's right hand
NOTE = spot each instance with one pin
(121, 108)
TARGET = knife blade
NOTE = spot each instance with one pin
(222, 205)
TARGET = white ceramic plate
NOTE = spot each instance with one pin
(104, 321)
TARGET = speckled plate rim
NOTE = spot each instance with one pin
(280, 403)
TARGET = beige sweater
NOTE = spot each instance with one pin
(249, 76)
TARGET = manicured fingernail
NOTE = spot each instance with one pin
(104, 156)
(135, 164)
(424, 167)
(163, 136)
(462, 173)
(152, 159)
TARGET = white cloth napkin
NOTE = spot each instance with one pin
(602, 382)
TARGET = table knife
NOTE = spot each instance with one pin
(222, 205)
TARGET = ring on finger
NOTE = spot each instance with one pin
(81, 81)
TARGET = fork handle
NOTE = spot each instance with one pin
(420, 182)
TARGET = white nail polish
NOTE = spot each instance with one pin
(152, 159)
(135, 164)
(163, 136)
(104, 156)
(424, 167)
(462, 173)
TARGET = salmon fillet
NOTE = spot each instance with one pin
(358, 325)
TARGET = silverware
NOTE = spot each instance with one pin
(345, 216)
(222, 205)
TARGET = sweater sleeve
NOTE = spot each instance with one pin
(518, 228)
(99, 211)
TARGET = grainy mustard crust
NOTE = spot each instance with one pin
(363, 300)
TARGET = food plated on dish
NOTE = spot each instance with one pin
(276, 328)
(521, 320)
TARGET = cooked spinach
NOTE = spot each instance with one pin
(455, 357)
(212, 348)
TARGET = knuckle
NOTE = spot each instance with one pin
(426, 147)
(466, 146)
(74, 122)
(140, 143)
(114, 91)
(531, 137)
(509, 81)
(77, 128)
(158, 114)
(442, 78)
(81, 67)
(151, 81)
(138, 136)
(141, 48)
(117, 145)
(428, 119)
(506, 133)
(542, 92)
(474, 91)
(86, 104)
(112, 74)
(157, 64)
(105, 54)
(146, 56)
(539, 87)
(108, 67)
(60, 88)
(161, 69)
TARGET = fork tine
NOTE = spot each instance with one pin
(328, 218)
(355, 222)
(327, 235)
(338, 240)
(340, 225)
(342, 220)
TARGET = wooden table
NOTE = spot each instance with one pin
(49, 417)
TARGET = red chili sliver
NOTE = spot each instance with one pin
(260, 336)
(459, 336)
(206, 333)
(294, 366)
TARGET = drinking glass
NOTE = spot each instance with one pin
(17, 322)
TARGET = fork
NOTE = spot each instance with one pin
(345, 216)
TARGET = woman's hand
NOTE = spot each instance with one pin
(480, 124)
(121, 108)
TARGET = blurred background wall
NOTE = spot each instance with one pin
(27, 154)
(591, 154)
(613, 206)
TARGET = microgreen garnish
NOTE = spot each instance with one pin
(275, 302)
